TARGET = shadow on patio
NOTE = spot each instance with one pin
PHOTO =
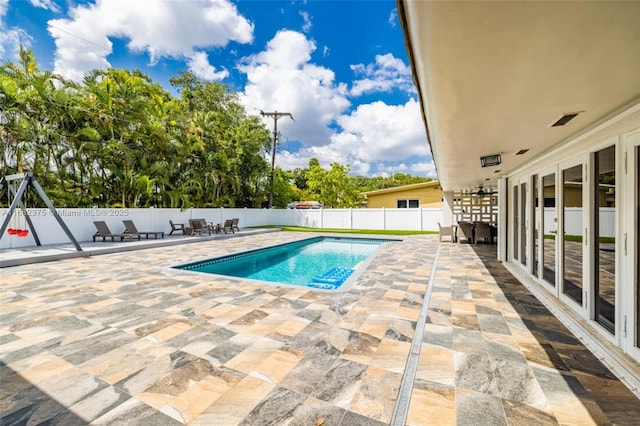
(493, 354)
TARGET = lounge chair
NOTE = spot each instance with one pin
(228, 226)
(130, 228)
(104, 232)
(200, 226)
(176, 227)
(234, 224)
(445, 231)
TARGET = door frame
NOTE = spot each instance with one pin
(629, 261)
(582, 310)
(554, 289)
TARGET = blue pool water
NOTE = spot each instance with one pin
(320, 262)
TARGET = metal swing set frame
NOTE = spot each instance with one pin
(28, 178)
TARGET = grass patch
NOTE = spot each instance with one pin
(349, 231)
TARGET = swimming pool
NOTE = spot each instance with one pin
(318, 262)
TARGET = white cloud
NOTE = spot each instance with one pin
(393, 18)
(161, 28)
(281, 78)
(376, 139)
(416, 169)
(306, 27)
(381, 132)
(45, 4)
(386, 74)
(11, 37)
(428, 169)
(200, 66)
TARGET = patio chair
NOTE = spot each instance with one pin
(465, 230)
(200, 226)
(484, 232)
(228, 226)
(234, 224)
(130, 228)
(104, 232)
(176, 227)
(445, 231)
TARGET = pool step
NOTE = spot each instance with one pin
(331, 279)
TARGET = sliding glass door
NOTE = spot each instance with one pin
(572, 232)
(523, 223)
(604, 253)
(636, 202)
(536, 226)
(549, 225)
(516, 226)
(629, 282)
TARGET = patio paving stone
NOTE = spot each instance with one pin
(122, 338)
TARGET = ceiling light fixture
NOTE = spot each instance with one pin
(490, 160)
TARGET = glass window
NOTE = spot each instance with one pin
(523, 223)
(412, 204)
(637, 204)
(605, 226)
(549, 229)
(536, 224)
(572, 244)
(516, 228)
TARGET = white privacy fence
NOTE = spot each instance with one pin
(80, 221)
(573, 222)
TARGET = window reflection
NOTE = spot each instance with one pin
(549, 228)
(604, 247)
(637, 194)
(515, 222)
(572, 243)
(536, 224)
(523, 223)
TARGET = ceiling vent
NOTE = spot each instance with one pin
(565, 119)
(522, 151)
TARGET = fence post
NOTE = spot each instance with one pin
(384, 219)
(350, 218)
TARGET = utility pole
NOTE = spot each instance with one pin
(276, 116)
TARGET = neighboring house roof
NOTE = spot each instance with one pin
(403, 188)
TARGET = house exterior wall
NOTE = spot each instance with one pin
(430, 197)
(600, 250)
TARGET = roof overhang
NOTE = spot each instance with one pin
(403, 188)
(493, 76)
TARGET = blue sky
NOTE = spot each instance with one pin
(339, 67)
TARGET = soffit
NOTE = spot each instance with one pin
(493, 77)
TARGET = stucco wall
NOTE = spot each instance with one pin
(430, 197)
